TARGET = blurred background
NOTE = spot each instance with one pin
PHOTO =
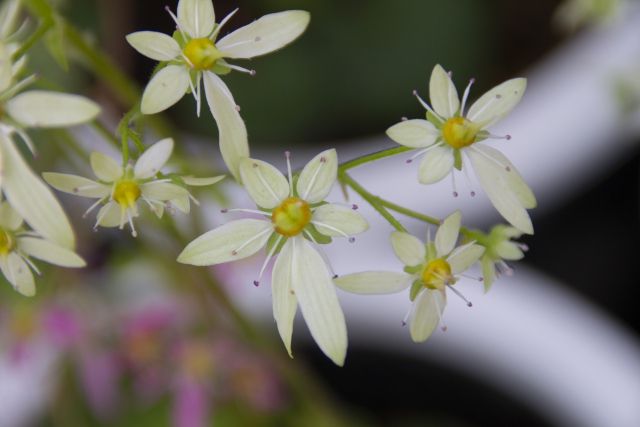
(342, 84)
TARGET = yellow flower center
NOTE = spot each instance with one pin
(7, 242)
(201, 53)
(126, 193)
(437, 274)
(291, 216)
(459, 132)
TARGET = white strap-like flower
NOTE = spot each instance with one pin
(18, 244)
(449, 132)
(296, 219)
(120, 188)
(194, 55)
(429, 269)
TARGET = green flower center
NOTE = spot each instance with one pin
(459, 132)
(291, 216)
(7, 242)
(437, 274)
(126, 193)
(201, 53)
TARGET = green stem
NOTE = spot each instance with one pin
(408, 212)
(123, 131)
(373, 157)
(33, 39)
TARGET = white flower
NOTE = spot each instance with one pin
(571, 14)
(293, 214)
(120, 188)
(430, 270)
(451, 132)
(194, 55)
(17, 245)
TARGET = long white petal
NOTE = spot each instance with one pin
(269, 33)
(415, 133)
(17, 272)
(78, 185)
(9, 218)
(234, 145)
(105, 167)
(49, 252)
(338, 220)
(195, 181)
(424, 316)
(154, 45)
(317, 176)
(229, 242)
(464, 257)
(285, 303)
(265, 184)
(166, 88)
(447, 234)
(31, 197)
(443, 93)
(39, 108)
(196, 17)
(497, 102)
(374, 282)
(153, 159)
(409, 249)
(318, 301)
(435, 165)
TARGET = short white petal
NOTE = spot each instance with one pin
(38, 108)
(374, 282)
(49, 252)
(415, 133)
(508, 250)
(154, 45)
(163, 191)
(32, 198)
(488, 273)
(77, 185)
(447, 234)
(317, 177)
(338, 220)
(17, 272)
(497, 102)
(110, 215)
(424, 316)
(285, 303)
(494, 182)
(264, 183)
(9, 218)
(464, 257)
(229, 242)
(318, 301)
(153, 159)
(183, 204)
(166, 88)
(104, 167)
(435, 165)
(195, 181)
(196, 17)
(269, 33)
(409, 249)
(443, 93)
(234, 145)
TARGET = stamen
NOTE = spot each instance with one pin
(194, 92)
(267, 259)
(507, 136)
(99, 218)
(248, 242)
(92, 207)
(134, 233)
(453, 184)
(404, 118)
(503, 268)
(466, 96)
(406, 316)
(287, 156)
(27, 141)
(468, 181)
(175, 19)
(354, 207)
(421, 152)
(426, 106)
(458, 293)
(468, 276)
(440, 314)
(523, 247)
(221, 24)
(313, 178)
(332, 228)
(31, 264)
(241, 69)
(199, 95)
(251, 211)
(494, 160)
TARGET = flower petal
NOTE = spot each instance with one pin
(77, 185)
(264, 183)
(318, 301)
(317, 177)
(374, 282)
(110, 215)
(285, 302)
(9, 218)
(166, 88)
(104, 167)
(414, 133)
(153, 159)
(229, 242)
(443, 93)
(508, 250)
(163, 191)
(49, 252)
(31, 197)
(232, 132)
(488, 272)
(447, 234)
(409, 249)
(338, 220)
(17, 272)
(196, 17)
(494, 180)
(435, 165)
(6, 73)
(464, 257)
(154, 45)
(426, 314)
(497, 102)
(195, 181)
(39, 108)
